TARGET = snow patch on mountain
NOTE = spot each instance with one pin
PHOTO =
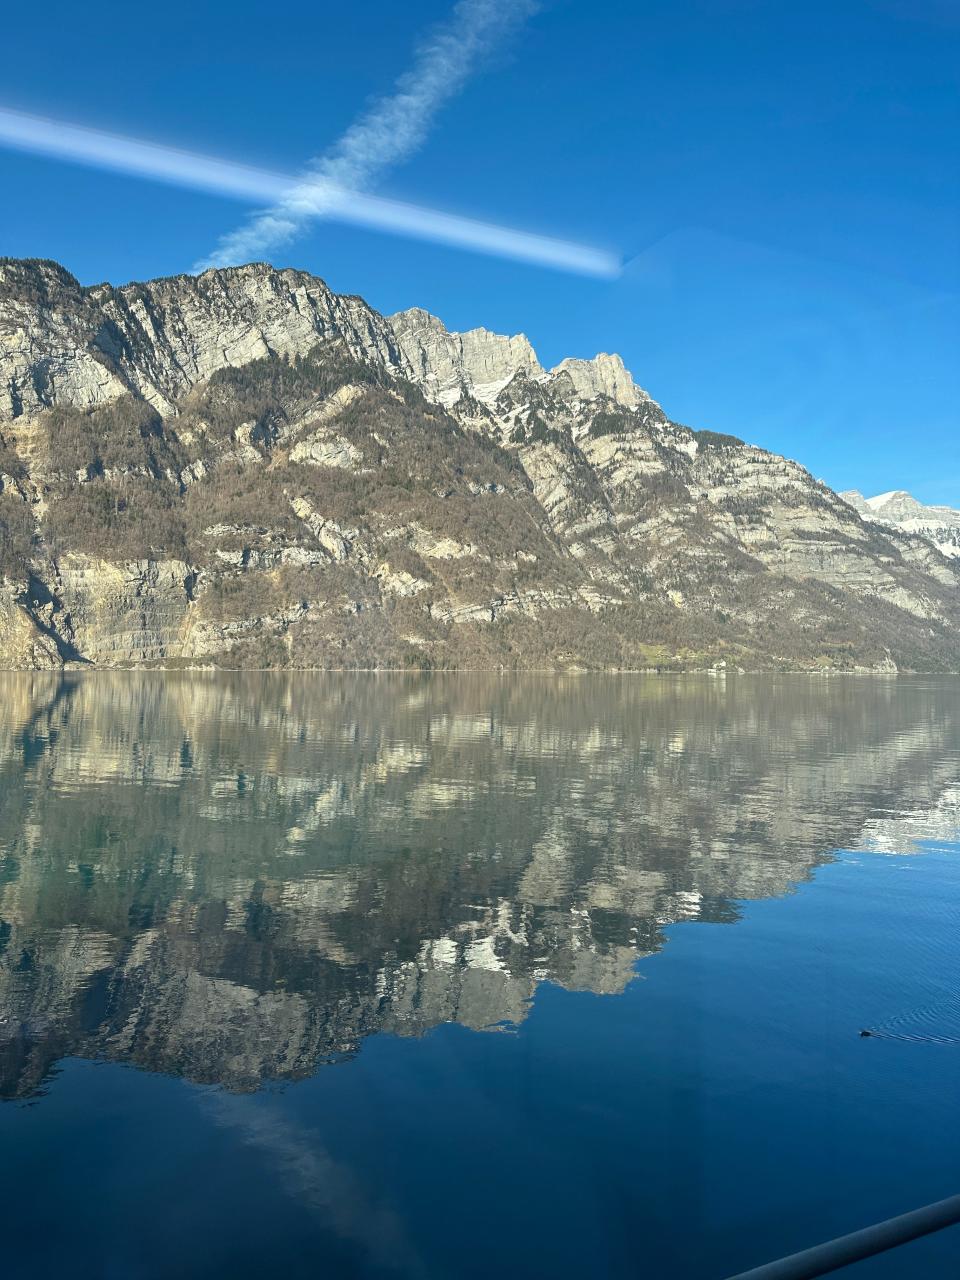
(900, 510)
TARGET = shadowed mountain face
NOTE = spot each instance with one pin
(245, 469)
(237, 878)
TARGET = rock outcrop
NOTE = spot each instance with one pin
(244, 468)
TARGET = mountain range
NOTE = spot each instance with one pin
(941, 525)
(244, 468)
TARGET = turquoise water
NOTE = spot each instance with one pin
(433, 977)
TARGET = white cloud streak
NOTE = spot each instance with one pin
(391, 130)
(322, 1185)
(61, 140)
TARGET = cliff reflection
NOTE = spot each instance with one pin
(236, 878)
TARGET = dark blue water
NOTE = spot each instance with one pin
(435, 978)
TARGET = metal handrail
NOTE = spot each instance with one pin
(823, 1258)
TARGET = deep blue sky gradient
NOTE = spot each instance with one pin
(782, 179)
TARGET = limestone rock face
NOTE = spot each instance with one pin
(132, 612)
(23, 644)
(603, 376)
(65, 345)
(48, 341)
(244, 468)
(449, 365)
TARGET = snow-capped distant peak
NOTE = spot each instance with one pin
(899, 509)
(882, 499)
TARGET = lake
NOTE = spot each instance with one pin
(460, 976)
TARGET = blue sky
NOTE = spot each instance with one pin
(780, 180)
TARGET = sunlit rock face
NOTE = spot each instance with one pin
(603, 376)
(239, 878)
(245, 469)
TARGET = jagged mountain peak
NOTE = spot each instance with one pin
(481, 363)
(881, 499)
(174, 332)
(449, 364)
(855, 499)
(604, 375)
(417, 320)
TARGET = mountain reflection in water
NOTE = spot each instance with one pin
(238, 878)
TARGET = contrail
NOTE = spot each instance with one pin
(392, 129)
(79, 145)
(322, 1185)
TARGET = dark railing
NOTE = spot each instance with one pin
(824, 1258)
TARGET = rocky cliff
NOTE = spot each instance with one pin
(246, 469)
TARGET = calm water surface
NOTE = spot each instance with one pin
(466, 977)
